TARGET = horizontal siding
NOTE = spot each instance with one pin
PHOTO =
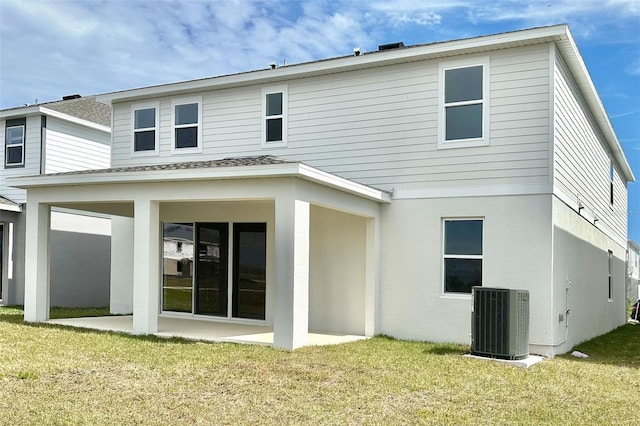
(582, 157)
(378, 126)
(71, 147)
(32, 159)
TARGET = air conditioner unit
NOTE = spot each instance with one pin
(500, 323)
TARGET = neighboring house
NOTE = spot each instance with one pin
(63, 136)
(364, 195)
(633, 271)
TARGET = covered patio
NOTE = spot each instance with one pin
(321, 237)
(201, 330)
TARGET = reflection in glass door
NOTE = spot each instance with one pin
(177, 265)
(249, 277)
(211, 269)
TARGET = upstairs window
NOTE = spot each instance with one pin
(611, 175)
(463, 252)
(274, 123)
(145, 128)
(14, 142)
(463, 104)
(187, 125)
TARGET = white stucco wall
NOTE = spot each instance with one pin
(580, 278)
(517, 254)
(337, 272)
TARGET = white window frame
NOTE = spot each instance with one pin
(22, 145)
(156, 128)
(458, 256)
(285, 127)
(486, 72)
(185, 101)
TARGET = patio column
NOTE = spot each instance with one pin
(372, 276)
(121, 291)
(36, 286)
(291, 310)
(146, 266)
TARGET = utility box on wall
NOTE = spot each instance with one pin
(500, 323)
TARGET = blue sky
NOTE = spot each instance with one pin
(59, 47)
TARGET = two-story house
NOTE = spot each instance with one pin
(362, 195)
(68, 135)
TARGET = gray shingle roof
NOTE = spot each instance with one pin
(84, 108)
(260, 160)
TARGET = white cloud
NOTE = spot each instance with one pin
(50, 49)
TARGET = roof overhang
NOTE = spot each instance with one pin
(569, 51)
(9, 206)
(38, 110)
(132, 175)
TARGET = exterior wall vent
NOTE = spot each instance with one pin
(390, 46)
(70, 97)
(500, 323)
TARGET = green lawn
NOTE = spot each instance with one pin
(56, 375)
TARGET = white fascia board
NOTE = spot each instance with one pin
(75, 120)
(10, 208)
(333, 181)
(20, 112)
(236, 172)
(40, 110)
(347, 63)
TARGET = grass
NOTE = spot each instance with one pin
(56, 375)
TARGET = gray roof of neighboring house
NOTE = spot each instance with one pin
(259, 160)
(85, 108)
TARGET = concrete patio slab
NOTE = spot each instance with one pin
(202, 330)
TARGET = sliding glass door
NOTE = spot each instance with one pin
(249, 278)
(196, 269)
(211, 269)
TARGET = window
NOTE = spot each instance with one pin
(145, 128)
(610, 281)
(464, 104)
(463, 249)
(14, 142)
(611, 175)
(274, 126)
(187, 125)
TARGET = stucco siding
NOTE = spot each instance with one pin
(71, 147)
(336, 271)
(413, 304)
(378, 126)
(581, 280)
(582, 159)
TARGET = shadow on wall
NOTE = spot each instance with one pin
(80, 269)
